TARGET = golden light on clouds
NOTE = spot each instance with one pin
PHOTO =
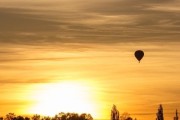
(75, 55)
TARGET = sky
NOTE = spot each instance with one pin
(78, 56)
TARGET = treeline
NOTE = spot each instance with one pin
(60, 116)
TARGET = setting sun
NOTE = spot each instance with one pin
(64, 97)
(85, 56)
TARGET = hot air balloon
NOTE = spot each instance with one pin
(139, 54)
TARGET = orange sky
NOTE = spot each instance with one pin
(79, 56)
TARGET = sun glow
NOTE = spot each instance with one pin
(63, 97)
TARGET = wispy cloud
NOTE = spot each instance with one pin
(51, 41)
(91, 22)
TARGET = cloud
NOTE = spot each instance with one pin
(38, 59)
(24, 81)
(99, 22)
(15, 103)
(142, 20)
(13, 20)
(20, 28)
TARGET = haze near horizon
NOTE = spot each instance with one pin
(57, 55)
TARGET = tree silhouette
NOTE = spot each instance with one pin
(125, 116)
(46, 118)
(10, 116)
(36, 117)
(1, 118)
(20, 118)
(89, 117)
(114, 113)
(27, 118)
(60, 116)
(72, 116)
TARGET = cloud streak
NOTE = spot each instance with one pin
(47, 41)
(91, 22)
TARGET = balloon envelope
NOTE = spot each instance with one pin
(139, 54)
